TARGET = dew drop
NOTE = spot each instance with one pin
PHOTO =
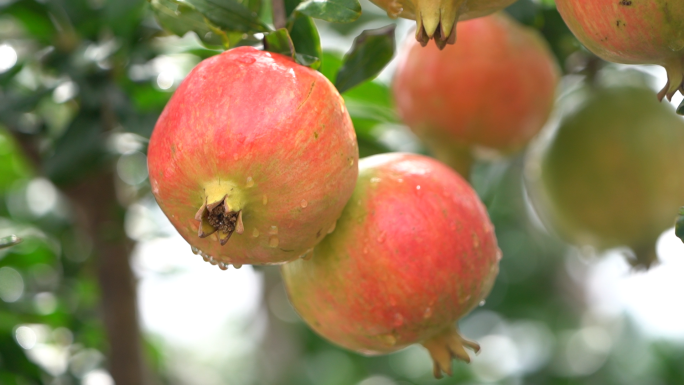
(375, 180)
(273, 241)
(418, 187)
(332, 228)
(212, 260)
(428, 313)
(237, 265)
(222, 266)
(303, 203)
(255, 233)
(250, 182)
(194, 250)
(482, 303)
(273, 230)
(400, 180)
(264, 199)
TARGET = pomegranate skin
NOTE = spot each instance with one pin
(632, 32)
(413, 252)
(267, 141)
(494, 90)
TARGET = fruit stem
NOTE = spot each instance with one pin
(447, 345)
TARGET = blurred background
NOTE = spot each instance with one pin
(103, 288)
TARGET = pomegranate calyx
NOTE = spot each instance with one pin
(675, 79)
(223, 215)
(436, 20)
(447, 345)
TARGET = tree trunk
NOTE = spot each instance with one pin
(103, 218)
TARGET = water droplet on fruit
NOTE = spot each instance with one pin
(264, 199)
(222, 266)
(398, 320)
(255, 233)
(332, 228)
(212, 260)
(250, 182)
(273, 241)
(482, 303)
(418, 187)
(400, 180)
(304, 203)
(375, 180)
(194, 250)
(273, 230)
(246, 60)
(428, 313)
(237, 265)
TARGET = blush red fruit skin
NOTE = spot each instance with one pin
(632, 32)
(611, 173)
(413, 252)
(494, 89)
(272, 137)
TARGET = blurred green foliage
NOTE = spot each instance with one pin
(90, 80)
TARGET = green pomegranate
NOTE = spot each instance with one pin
(436, 19)
(612, 174)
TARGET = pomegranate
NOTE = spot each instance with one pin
(494, 89)
(437, 18)
(611, 174)
(254, 144)
(413, 252)
(632, 32)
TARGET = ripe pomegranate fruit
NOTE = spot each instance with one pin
(254, 144)
(437, 18)
(493, 89)
(611, 174)
(413, 252)
(632, 32)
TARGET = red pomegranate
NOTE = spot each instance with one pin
(413, 252)
(632, 32)
(254, 144)
(494, 89)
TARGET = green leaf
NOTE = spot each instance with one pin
(305, 37)
(279, 42)
(335, 11)
(9, 241)
(679, 225)
(371, 52)
(229, 15)
(680, 109)
(308, 61)
(180, 18)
